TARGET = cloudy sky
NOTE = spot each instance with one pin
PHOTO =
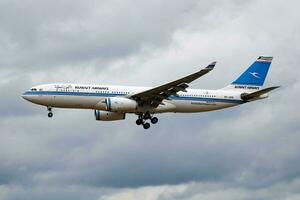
(247, 152)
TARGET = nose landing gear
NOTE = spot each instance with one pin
(142, 120)
(50, 114)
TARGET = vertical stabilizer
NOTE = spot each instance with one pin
(254, 77)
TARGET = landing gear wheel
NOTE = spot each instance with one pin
(50, 114)
(147, 115)
(146, 125)
(139, 122)
(154, 120)
(49, 108)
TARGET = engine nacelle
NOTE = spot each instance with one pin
(101, 115)
(117, 104)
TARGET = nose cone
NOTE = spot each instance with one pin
(23, 96)
(26, 96)
(32, 97)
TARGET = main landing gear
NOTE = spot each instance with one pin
(50, 114)
(142, 120)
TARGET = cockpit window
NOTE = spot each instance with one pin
(33, 89)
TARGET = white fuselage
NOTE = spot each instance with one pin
(92, 96)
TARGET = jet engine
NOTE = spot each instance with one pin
(117, 104)
(101, 115)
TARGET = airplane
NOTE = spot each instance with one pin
(112, 103)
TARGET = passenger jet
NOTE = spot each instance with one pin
(114, 102)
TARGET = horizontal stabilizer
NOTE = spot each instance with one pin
(253, 95)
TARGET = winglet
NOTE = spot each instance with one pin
(211, 65)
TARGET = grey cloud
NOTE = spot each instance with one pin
(246, 151)
(94, 31)
(286, 190)
(191, 191)
(11, 89)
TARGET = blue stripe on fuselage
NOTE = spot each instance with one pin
(115, 94)
(71, 93)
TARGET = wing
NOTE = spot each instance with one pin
(155, 96)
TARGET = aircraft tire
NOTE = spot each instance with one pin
(50, 114)
(139, 122)
(154, 120)
(147, 115)
(146, 125)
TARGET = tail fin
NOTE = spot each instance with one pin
(254, 77)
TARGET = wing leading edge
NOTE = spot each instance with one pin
(156, 95)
